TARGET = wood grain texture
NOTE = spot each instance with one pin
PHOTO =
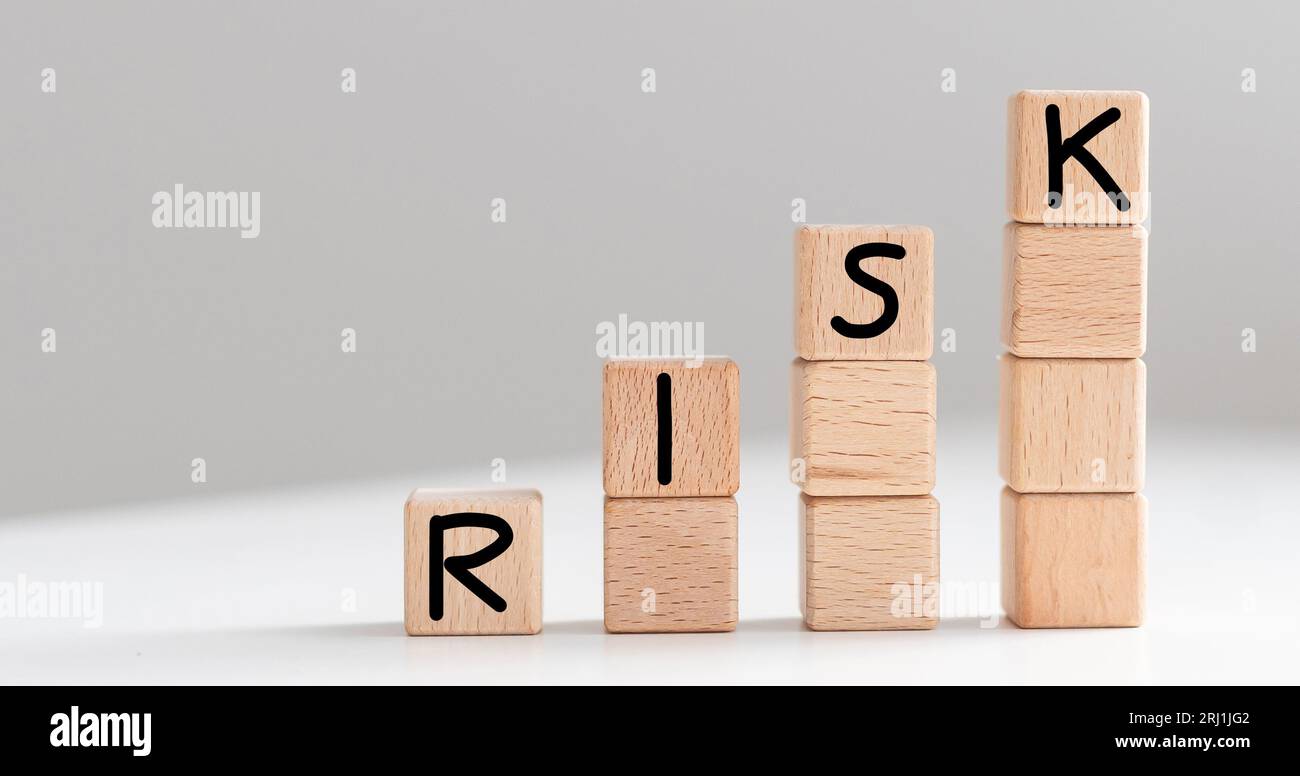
(1074, 560)
(824, 290)
(870, 563)
(670, 565)
(1074, 291)
(1072, 425)
(515, 575)
(1121, 148)
(864, 428)
(705, 427)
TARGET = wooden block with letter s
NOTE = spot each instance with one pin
(864, 293)
(473, 562)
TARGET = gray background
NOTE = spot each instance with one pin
(476, 340)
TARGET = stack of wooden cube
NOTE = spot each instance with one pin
(1073, 407)
(863, 426)
(671, 470)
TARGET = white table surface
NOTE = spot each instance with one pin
(253, 588)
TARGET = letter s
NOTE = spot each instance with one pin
(874, 285)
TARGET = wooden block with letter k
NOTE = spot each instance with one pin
(1078, 157)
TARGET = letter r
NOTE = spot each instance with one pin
(459, 566)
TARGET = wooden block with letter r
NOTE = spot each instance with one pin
(864, 293)
(1075, 291)
(1077, 157)
(870, 563)
(1073, 560)
(670, 565)
(863, 428)
(473, 562)
(671, 427)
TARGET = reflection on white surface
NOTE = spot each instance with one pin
(304, 585)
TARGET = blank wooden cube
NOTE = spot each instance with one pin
(863, 428)
(1073, 425)
(870, 563)
(671, 427)
(1073, 560)
(473, 562)
(868, 306)
(1075, 291)
(670, 565)
(1084, 196)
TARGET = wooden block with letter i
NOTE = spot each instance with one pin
(1077, 157)
(1075, 291)
(670, 565)
(671, 427)
(870, 563)
(863, 428)
(473, 562)
(1073, 560)
(864, 293)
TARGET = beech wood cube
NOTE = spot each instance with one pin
(1078, 157)
(1072, 425)
(864, 293)
(863, 428)
(1073, 560)
(1075, 291)
(670, 565)
(671, 427)
(473, 562)
(870, 563)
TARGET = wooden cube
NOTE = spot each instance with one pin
(671, 427)
(870, 563)
(1073, 425)
(473, 562)
(670, 565)
(1075, 291)
(1073, 560)
(1094, 172)
(863, 428)
(864, 293)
